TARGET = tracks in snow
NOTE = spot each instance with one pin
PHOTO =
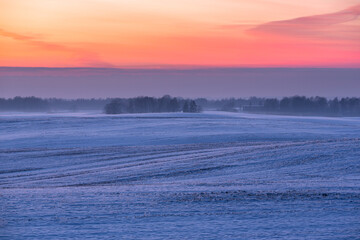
(239, 163)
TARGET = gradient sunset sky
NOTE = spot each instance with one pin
(160, 33)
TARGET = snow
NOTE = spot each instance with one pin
(211, 175)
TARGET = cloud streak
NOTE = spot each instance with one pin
(331, 26)
(86, 57)
(33, 41)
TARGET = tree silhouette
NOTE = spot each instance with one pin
(185, 107)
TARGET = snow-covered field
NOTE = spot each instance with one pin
(179, 176)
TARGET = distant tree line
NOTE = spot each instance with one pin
(34, 104)
(229, 104)
(28, 104)
(310, 106)
(151, 105)
(296, 105)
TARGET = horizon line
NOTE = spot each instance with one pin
(185, 98)
(183, 67)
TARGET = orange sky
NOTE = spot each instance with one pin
(138, 33)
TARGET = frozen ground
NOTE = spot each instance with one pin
(179, 176)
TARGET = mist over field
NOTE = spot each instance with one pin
(212, 83)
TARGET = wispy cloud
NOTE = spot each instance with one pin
(85, 57)
(33, 41)
(329, 26)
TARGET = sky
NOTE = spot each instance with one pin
(182, 33)
(189, 48)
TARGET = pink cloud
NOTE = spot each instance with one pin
(88, 58)
(34, 41)
(330, 26)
